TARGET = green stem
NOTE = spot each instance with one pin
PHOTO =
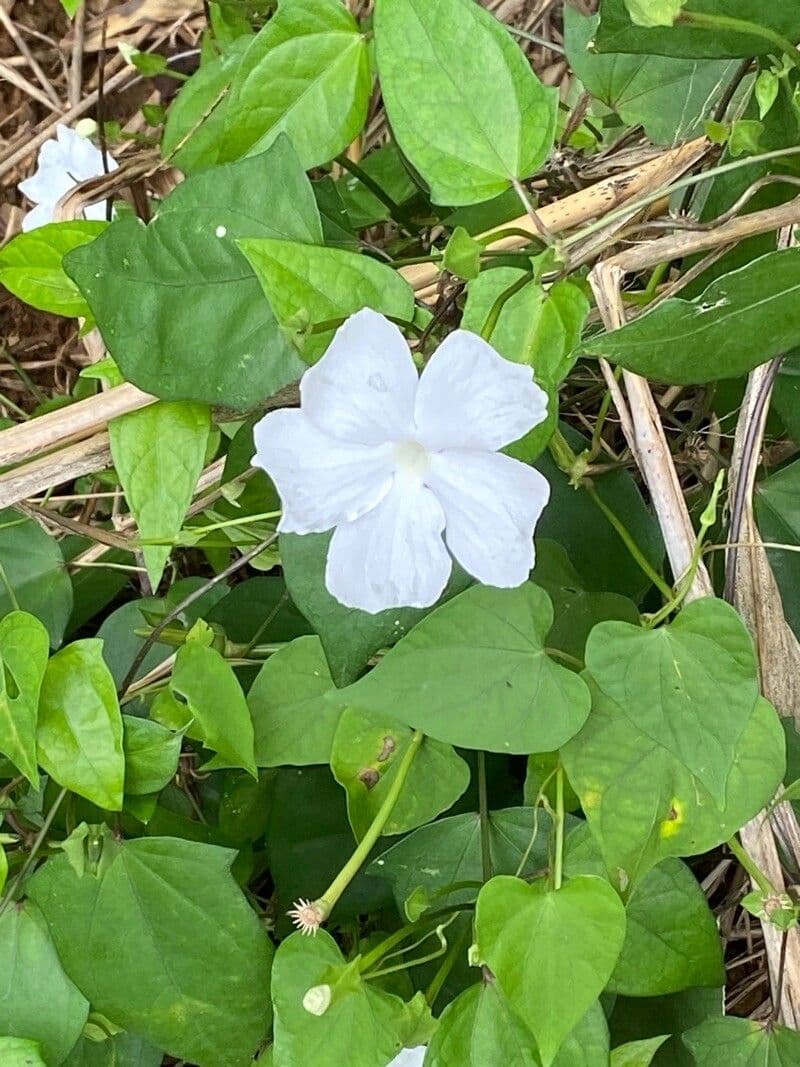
(377, 191)
(755, 872)
(12, 596)
(752, 29)
(605, 406)
(483, 806)
(558, 859)
(327, 902)
(500, 303)
(573, 661)
(630, 544)
(8, 896)
(446, 966)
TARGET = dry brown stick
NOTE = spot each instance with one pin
(76, 57)
(10, 75)
(79, 459)
(22, 46)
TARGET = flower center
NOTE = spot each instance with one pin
(411, 459)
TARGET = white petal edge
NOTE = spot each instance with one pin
(47, 185)
(392, 557)
(409, 1057)
(321, 481)
(363, 388)
(492, 504)
(470, 397)
(81, 157)
(38, 216)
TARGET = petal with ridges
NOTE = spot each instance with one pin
(392, 557)
(492, 504)
(364, 386)
(470, 397)
(321, 481)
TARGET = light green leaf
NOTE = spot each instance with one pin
(671, 98)
(215, 702)
(743, 319)
(31, 266)
(122, 938)
(462, 99)
(766, 91)
(80, 725)
(552, 951)
(637, 1053)
(158, 453)
(359, 1026)
(367, 751)
(37, 1000)
(196, 120)
(308, 284)
(671, 937)
(618, 33)
(448, 851)
(689, 686)
(654, 12)
(349, 636)
(20, 1052)
(24, 648)
(734, 1042)
(71, 6)
(479, 1028)
(643, 804)
(309, 61)
(588, 1044)
(176, 302)
(151, 755)
(34, 569)
(462, 256)
(475, 673)
(293, 723)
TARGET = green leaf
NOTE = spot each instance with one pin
(292, 721)
(121, 1050)
(766, 91)
(216, 705)
(462, 255)
(618, 33)
(741, 320)
(158, 453)
(475, 673)
(552, 951)
(196, 120)
(308, 284)
(34, 568)
(176, 302)
(359, 1027)
(637, 1053)
(654, 12)
(367, 751)
(80, 725)
(671, 937)
(448, 852)
(71, 6)
(734, 1042)
(689, 686)
(588, 1044)
(19, 1052)
(37, 1000)
(643, 804)
(671, 98)
(576, 611)
(349, 636)
(309, 61)
(636, 1018)
(479, 1028)
(462, 99)
(24, 648)
(31, 266)
(122, 938)
(151, 755)
(778, 511)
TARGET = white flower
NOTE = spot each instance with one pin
(392, 462)
(64, 161)
(409, 1057)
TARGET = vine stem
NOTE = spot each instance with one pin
(483, 807)
(752, 869)
(630, 544)
(500, 303)
(326, 903)
(8, 896)
(752, 29)
(558, 860)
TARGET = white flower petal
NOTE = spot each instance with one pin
(47, 185)
(409, 1057)
(392, 557)
(492, 504)
(80, 156)
(38, 216)
(364, 386)
(321, 481)
(470, 397)
(96, 212)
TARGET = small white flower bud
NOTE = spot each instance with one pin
(317, 1000)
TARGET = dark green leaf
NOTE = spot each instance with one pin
(479, 1028)
(742, 1043)
(151, 755)
(778, 510)
(34, 569)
